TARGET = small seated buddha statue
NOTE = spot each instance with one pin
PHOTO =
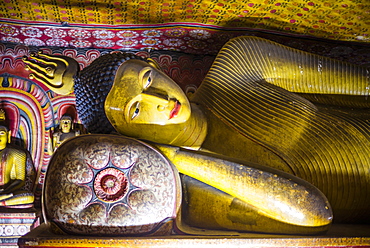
(65, 131)
(13, 172)
(262, 105)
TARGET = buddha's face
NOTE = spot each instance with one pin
(65, 124)
(4, 136)
(142, 94)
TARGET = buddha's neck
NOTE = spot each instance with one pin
(194, 130)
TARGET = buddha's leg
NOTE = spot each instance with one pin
(18, 199)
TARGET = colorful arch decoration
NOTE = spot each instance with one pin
(31, 115)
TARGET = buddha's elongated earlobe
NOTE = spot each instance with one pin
(9, 136)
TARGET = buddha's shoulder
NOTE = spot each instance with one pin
(12, 151)
(248, 39)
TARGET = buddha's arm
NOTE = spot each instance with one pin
(55, 140)
(277, 195)
(258, 59)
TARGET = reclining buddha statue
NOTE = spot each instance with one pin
(262, 105)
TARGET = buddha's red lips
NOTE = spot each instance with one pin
(175, 110)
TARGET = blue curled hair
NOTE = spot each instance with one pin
(91, 87)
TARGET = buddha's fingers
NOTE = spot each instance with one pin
(39, 68)
(40, 57)
(53, 64)
(39, 77)
(57, 72)
(60, 61)
(39, 72)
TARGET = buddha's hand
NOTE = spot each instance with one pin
(55, 71)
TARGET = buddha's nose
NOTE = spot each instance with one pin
(161, 108)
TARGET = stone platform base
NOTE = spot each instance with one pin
(338, 236)
(15, 223)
